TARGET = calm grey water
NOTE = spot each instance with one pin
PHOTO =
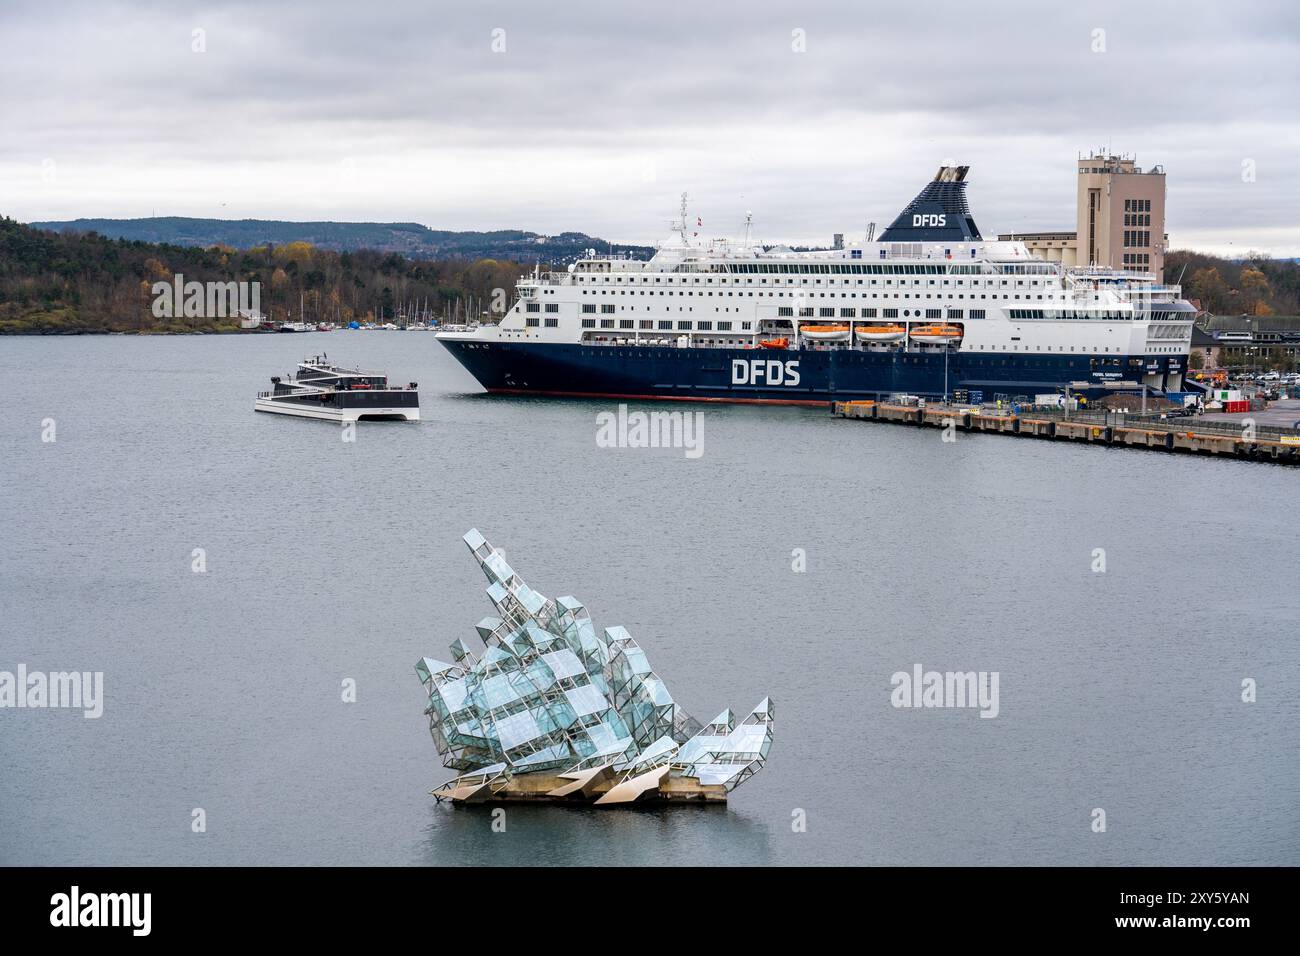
(329, 561)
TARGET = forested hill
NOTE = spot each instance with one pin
(408, 238)
(1256, 285)
(83, 282)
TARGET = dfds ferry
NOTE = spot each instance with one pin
(929, 309)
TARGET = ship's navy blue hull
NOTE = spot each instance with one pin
(806, 377)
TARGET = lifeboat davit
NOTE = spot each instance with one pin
(936, 334)
(781, 343)
(881, 333)
(825, 333)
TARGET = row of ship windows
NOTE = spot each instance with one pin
(913, 283)
(854, 268)
(661, 325)
(1068, 314)
(664, 325)
(609, 307)
(788, 312)
(903, 358)
(680, 308)
(1159, 315)
(805, 313)
(1070, 350)
(794, 294)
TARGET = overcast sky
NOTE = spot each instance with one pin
(596, 116)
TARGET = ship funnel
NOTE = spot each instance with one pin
(939, 212)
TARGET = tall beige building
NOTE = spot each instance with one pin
(1120, 219)
(1121, 214)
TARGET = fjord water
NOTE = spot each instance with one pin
(329, 561)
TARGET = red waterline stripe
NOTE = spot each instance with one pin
(665, 398)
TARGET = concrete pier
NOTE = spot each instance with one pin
(1236, 439)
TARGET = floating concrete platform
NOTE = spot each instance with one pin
(660, 785)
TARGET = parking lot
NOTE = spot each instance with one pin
(1284, 413)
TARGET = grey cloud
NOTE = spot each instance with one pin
(712, 93)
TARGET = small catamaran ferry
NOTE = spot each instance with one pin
(322, 389)
(930, 309)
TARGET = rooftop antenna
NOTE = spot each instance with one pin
(871, 232)
(749, 220)
(682, 226)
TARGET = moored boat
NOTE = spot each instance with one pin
(689, 324)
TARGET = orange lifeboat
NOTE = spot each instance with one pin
(825, 333)
(881, 333)
(936, 334)
(781, 343)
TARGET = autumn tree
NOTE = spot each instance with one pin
(1254, 290)
(1208, 286)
